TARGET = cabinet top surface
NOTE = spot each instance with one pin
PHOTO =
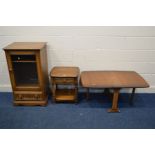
(65, 72)
(25, 46)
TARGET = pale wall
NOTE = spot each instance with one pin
(90, 48)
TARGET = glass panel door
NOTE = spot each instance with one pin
(25, 70)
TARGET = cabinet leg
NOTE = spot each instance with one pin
(115, 101)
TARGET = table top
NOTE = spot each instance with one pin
(25, 46)
(112, 79)
(65, 72)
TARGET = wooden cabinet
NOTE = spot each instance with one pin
(65, 83)
(27, 65)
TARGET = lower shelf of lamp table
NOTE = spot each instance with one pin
(65, 95)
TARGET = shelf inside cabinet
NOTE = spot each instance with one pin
(24, 61)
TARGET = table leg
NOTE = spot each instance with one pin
(115, 101)
(53, 92)
(76, 94)
(87, 93)
(132, 96)
(108, 93)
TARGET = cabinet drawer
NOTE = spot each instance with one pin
(29, 96)
(64, 80)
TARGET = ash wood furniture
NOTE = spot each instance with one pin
(115, 80)
(27, 65)
(67, 76)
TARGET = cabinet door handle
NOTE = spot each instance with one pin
(10, 69)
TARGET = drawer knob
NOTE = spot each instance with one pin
(20, 96)
(36, 96)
